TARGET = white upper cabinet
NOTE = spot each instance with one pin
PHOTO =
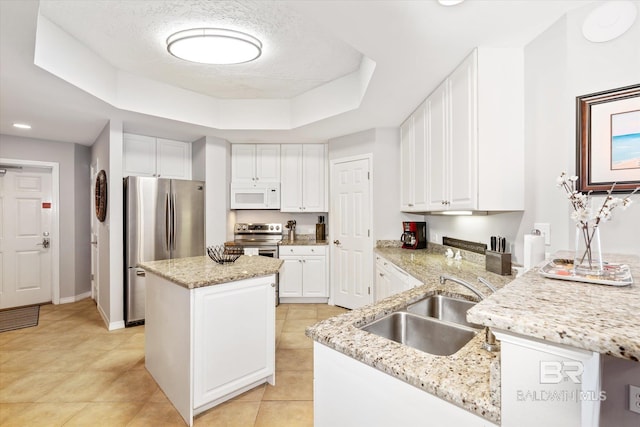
(150, 156)
(255, 163)
(474, 133)
(304, 176)
(413, 145)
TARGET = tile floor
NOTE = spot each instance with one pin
(70, 371)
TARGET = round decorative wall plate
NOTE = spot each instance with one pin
(101, 195)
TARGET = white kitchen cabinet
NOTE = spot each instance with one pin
(343, 387)
(304, 273)
(475, 135)
(217, 342)
(391, 279)
(159, 157)
(304, 178)
(413, 170)
(254, 163)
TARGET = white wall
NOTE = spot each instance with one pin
(73, 209)
(559, 66)
(384, 145)
(212, 163)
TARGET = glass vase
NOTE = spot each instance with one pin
(588, 256)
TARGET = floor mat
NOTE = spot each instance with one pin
(18, 318)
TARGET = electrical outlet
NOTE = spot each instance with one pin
(634, 398)
(545, 228)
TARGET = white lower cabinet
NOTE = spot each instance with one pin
(391, 279)
(350, 393)
(303, 276)
(207, 345)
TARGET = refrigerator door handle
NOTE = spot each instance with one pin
(167, 223)
(173, 222)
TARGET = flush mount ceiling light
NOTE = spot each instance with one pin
(609, 21)
(21, 126)
(450, 2)
(214, 46)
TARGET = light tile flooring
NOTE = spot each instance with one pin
(70, 371)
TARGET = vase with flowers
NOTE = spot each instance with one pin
(588, 256)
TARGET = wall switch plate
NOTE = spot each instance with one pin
(634, 399)
(545, 228)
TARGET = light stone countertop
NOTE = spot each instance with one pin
(462, 378)
(197, 272)
(598, 318)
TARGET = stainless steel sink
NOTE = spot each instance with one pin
(422, 333)
(444, 308)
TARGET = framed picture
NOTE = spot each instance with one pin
(101, 196)
(608, 140)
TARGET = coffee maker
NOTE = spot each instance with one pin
(414, 235)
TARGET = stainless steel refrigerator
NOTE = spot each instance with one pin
(164, 218)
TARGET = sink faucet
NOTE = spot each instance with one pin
(490, 343)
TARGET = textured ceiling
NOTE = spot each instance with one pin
(297, 54)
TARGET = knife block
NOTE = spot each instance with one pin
(498, 262)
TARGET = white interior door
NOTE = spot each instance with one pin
(352, 250)
(25, 232)
(94, 235)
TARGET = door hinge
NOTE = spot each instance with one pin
(369, 175)
(369, 290)
(93, 277)
(368, 233)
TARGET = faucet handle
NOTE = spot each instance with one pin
(487, 284)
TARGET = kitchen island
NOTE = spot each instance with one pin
(210, 328)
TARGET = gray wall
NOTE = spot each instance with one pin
(74, 210)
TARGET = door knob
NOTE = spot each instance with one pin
(45, 242)
(336, 242)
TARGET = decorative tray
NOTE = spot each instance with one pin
(613, 275)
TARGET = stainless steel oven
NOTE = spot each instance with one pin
(259, 239)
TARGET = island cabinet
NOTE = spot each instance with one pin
(204, 346)
(388, 401)
(391, 280)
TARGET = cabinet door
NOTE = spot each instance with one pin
(291, 277)
(234, 337)
(173, 159)
(463, 146)
(139, 155)
(292, 178)
(268, 162)
(436, 149)
(406, 165)
(314, 177)
(420, 158)
(314, 276)
(243, 163)
(383, 285)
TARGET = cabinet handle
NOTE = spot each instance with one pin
(410, 204)
(381, 274)
(273, 285)
(336, 242)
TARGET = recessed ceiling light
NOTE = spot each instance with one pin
(450, 2)
(609, 21)
(21, 126)
(214, 46)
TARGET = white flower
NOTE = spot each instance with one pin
(626, 202)
(604, 214)
(612, 202)
(573, 178)
(581, 215)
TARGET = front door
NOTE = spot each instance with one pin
(25, 230)
(352, 249)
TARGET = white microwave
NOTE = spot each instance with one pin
(262, 195)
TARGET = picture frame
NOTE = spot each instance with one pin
(608, 140)
(101, 196)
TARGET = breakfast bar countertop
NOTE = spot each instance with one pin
(462, 378)
(196, 272)
(593, 317)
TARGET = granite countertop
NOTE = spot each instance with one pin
(598, 318)
(302, 242)
(197, 272)
(462, 378)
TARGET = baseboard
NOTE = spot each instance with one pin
(75, 298)
(110, 325)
